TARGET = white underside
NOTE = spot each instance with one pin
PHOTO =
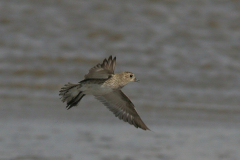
(95, 89)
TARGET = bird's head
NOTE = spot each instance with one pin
(129, 77)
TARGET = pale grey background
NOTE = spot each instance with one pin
(186, 54)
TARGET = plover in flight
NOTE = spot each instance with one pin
(105, 85)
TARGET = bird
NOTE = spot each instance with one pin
(105, 86)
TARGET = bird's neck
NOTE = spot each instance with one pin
(120, 80)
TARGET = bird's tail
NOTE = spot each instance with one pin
(72, 94)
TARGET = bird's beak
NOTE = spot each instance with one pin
(136, 80)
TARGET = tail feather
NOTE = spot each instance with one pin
(75, 101)
(72, 94)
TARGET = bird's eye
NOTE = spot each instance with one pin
(131, 75)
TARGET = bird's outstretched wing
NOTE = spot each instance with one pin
(102, 71)
(123, 108)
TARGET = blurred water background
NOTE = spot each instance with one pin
(186, 54)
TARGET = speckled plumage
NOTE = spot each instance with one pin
(106, 87)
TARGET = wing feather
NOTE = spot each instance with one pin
(123, 108)
(102, 71)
